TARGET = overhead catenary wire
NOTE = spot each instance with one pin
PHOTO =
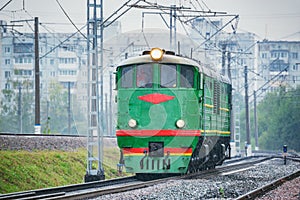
(5, 5)
(65, 13)
(164, 10)
(70, 36)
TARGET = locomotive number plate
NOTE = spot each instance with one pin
(156, 149)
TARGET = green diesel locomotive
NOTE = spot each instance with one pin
(173, 115)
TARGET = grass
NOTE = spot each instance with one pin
(24, 170)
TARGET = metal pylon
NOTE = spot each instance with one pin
(95, 169)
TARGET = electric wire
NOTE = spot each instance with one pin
(65, 13)
(5, 5)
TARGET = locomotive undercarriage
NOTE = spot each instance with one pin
(210, 152)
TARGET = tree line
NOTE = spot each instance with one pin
(278, 118)
(17, 112)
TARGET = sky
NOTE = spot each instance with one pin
(270, 19)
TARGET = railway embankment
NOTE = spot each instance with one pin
(31, 162)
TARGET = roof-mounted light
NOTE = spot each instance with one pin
(156, 54)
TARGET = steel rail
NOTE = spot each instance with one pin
(271, 186)
(63, 190)
(225, 168)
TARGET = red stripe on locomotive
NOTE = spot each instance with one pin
(142, 133)
(127, 151)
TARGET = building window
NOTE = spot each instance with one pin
(27, 72)
(23, 72)
(264, 55)
(23, 48)
(295, 67)
(6, 50)
(272, 55)
(283, 55)
(66, 84)
(67, 60)
(7, 86)
(27, 60)
(18, 60)
(295, 55)
(7, 74)
(68, 72)
(7, 61)
(21, 60)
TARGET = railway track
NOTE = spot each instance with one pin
(266, 188)
(94, 189)
(62, 191)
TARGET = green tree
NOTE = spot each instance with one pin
(279, 120)
(55, 115)
(54, 110)
(9, 115)
(8, 121)
(58, 105)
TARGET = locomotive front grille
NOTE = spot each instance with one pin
(156, 149)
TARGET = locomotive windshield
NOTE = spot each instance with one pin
(186, 76)
(127, 77)
(168, 76)
(143, 76)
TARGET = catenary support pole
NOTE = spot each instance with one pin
(247, 107)
(37, 77)
(255, 121)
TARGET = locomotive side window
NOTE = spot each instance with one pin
(144, 76)
(186, 76)
(127, 77)
(168, 76)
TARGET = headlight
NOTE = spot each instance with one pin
(156, 54)
(132, 123)
(180, 123)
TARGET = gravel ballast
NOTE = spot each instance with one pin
(221, 187)
(33, 143)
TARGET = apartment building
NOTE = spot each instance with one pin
(279, 64)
